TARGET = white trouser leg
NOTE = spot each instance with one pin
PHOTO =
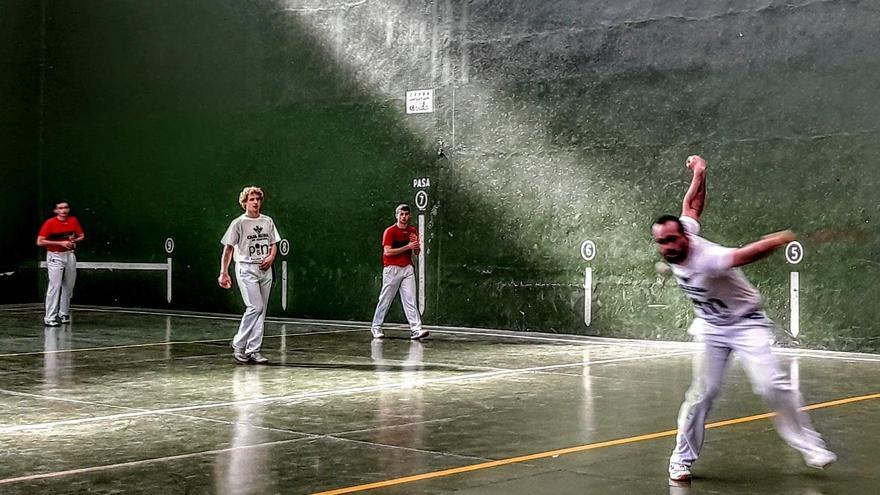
(391, 278)
(752, 345)
(67, 283)
(408, 299)
(55, 267)
(708, 375)
(255, 286)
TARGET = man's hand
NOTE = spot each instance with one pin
(224, 281)
(68, 245)
(696, 163)
(414, 243)
(267, 262)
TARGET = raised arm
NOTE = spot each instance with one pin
(695, 197)
(759, 249)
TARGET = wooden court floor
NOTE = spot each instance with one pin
(126, 401)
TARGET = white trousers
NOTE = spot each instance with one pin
(396, 279)
(62, 277)
(750, 339)
(255, 285)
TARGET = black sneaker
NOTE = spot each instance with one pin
(65, 319)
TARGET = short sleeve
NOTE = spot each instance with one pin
(717, 259)
(691, 225)
(77, 227)
(388, 238)
(231, 237)
(44, 230)
(276, 237)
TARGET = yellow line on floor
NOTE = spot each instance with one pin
(572, 450)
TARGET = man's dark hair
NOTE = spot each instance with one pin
(669, 218)
(58, 202)
(400, 208)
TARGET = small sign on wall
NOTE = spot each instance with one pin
(420, 101)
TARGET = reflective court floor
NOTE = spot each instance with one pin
(136, 402)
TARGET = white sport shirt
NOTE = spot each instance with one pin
(251, 237)
(720, 293)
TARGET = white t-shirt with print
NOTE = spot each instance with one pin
(721, 294)
(251, 237)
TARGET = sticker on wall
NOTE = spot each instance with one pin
(169, 245)
(284, 247)
(420, 101)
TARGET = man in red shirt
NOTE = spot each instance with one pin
(399, 242)
(60, 235)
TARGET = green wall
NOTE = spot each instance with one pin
(20, 42)
(555, 122)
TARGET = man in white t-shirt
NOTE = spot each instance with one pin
(729, 319)
(252, 240)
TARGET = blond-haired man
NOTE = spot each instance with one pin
(252, 240)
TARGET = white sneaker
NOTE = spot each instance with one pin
(419, 335)
(239, 356)
(679, 472)
(377, 334)
(257, 358)
(820, 458)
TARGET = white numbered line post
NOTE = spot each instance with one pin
(155, 267)
(795, 304)
(284, 248)
(588, 296)
(284, 285)
(588, 252)
(794, 254)
(422, 204)
(422, 266)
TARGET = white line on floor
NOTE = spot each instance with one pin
(335, 392)
(153, 344)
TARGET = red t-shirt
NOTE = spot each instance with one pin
(56, 230)
(396, 237)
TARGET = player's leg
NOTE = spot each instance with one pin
(708, 376)
(249, 284)
(55, 267)
(408, 300)
(68, 280)
(752, 344)
(255, 339)
(390, 284)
